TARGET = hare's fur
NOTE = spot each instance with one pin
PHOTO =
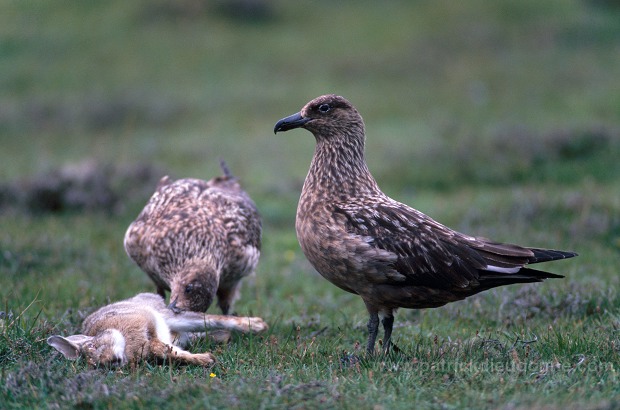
(142, 327)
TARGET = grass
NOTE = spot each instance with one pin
(498, 119)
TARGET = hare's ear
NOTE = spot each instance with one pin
(69, 346)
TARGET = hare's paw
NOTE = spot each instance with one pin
(256, 324)
(204, 359)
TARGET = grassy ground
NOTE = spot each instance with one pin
(497, 118)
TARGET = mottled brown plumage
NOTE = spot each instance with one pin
(197, 239)
(387, 252)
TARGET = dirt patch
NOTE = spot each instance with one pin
(83, 186)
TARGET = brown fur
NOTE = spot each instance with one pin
(143, 327)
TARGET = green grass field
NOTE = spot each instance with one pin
(499, 119)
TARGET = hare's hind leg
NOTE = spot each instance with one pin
(174, 353)
(196, 322)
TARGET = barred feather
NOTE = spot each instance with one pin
(387, 252)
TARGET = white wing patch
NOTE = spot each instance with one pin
(503, 270)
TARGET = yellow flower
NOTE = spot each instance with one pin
(213, 375)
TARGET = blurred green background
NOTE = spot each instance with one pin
(180, 83)
(497, 118)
